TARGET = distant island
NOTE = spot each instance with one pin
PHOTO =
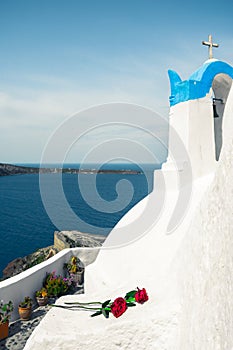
(10, 169)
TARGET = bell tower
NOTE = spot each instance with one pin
(197, 111)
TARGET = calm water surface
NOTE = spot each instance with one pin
(25, 225)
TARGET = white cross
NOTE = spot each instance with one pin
(211, 45)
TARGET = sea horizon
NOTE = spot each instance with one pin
(23, 217)
(94, 166)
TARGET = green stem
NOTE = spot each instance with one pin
(78, 306)
(87, 308)
(91, 303)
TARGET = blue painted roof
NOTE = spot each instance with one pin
(198, 84)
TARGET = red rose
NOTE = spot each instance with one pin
(141, 296)
(118, 307)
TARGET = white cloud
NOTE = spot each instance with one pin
(119, 140)
(30, 113)
(28, 117)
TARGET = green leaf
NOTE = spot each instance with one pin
(4, 308)
(105, 313)
(106, 303)
(131, 304)
(130, 294)
(130, 300)
(97, 313)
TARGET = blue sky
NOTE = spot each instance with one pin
(59, 57)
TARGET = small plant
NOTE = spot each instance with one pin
(75, 271)
(26, 303)
(42, 296)
(73, 265)
(42, 293)
(56, 285)
(5, 311)
(25, 309)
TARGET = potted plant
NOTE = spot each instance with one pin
(75, 271)
(42, 297)
(5, 313)
(25, 309)
(56, 285)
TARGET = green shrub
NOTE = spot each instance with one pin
(56, 285)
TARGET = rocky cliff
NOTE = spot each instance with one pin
(9, 169)
(23, 263)
(72, 239)
(62, 240)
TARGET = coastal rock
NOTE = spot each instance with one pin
(9, 169)
(21, 264)
(62, 240)
(72, 239)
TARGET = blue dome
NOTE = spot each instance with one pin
(199, 83)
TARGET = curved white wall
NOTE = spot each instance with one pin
(204, 263)
(27, 282)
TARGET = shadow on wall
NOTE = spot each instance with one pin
(221, 87)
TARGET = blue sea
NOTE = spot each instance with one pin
(25, 225)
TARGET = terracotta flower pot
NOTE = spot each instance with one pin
(4, 330)
(25, 313)
(42, 301)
